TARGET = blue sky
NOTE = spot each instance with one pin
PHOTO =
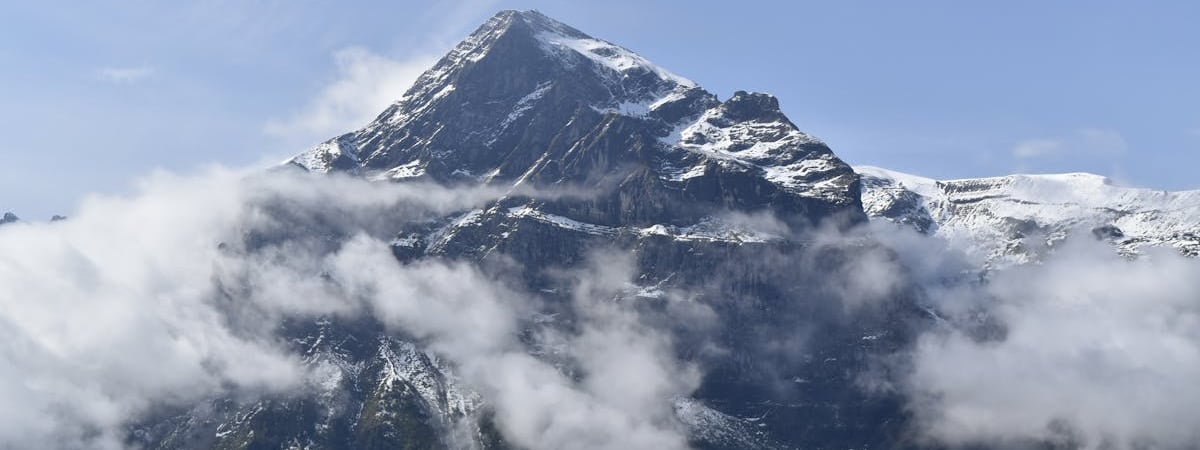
(94, 95)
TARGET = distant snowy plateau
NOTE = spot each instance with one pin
(1011, 219)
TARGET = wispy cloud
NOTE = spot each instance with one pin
(366, 83)
(1095, 349)
(85, 297)
(1086, 141)
(1108, 142)
(1034, 148)
(124, 75)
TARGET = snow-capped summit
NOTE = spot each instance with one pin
(8, 218)
(1009, 218)
(527, 100)
(515, 61)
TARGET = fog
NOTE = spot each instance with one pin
(1096, 351)
(160, 298)
(156, 299)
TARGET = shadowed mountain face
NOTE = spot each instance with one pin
(716, 199)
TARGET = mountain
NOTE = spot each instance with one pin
(710, 197)
(9, 218)
(722, 205)
(1012, 219)
(528, 101)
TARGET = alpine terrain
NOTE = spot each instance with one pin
(722, 203)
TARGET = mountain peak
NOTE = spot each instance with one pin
(514, 61)
(526, 99)
(753, 106)
(532, 47)
(562, 40)
(532, 20)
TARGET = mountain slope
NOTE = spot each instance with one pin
(1009, 219)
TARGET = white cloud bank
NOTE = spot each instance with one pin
(124, 307)
(629, 378)
(1086, 349)
(127, 306)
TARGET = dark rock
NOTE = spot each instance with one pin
(1107, 232)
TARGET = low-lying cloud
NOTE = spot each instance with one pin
(1096, 351)
(168, 297)
(1083, 349)
(171, 296)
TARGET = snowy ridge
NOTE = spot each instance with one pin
(324, 156)
(525, 104)
(765, 142)
(635, 85)
(621, 70)
(753, 140)
(717, 427)
(440, 237)
(560, 221)
(708, 229)
(618, 59)
(1007, 218)
(613, 63)
(413, 169)
(711, 230)
(432, 380)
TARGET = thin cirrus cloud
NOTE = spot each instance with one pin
(1087, 141)
(124, 75)
(1034, 148)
